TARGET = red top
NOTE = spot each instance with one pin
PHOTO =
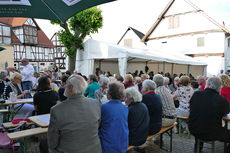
(128, 84)
(202, 87)
(152, 92)
(225, 92)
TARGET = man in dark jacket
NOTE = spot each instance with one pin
(207, 109)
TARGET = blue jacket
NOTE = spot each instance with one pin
(154, 105)
(138, 121)
(114, 130)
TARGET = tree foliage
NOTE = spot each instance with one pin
(77, 28)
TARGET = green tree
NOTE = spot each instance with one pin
(76, 29)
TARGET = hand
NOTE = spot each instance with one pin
(10, 69)
(25, 92)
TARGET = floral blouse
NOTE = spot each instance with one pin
(184, 95)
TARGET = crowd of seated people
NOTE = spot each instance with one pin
(112, 111)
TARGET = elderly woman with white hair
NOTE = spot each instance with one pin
(154, 105)
(114, 132)
(166, 82)
(173, 87)
(169, 110)
(138, 118)
(100, 94)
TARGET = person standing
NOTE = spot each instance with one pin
(27, 76)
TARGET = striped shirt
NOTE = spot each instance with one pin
(169, 108)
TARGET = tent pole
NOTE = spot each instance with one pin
(188, 70)
(164, 68)
(172, 69)
(100, 64)
(158, 67)
(205, 70)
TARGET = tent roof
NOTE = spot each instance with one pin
(101, 50)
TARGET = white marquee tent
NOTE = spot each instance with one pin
(120, 60)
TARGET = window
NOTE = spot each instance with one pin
(5, 34)
(30, 34)
(128, 42)
(174, 22)
(58, 49)
(200, 42)
(19, 33)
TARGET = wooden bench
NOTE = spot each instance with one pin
(180, 118)
(5, 113)
(161, 132)
(26, 133)
(23, 135)
(8, 125)
(4, 110)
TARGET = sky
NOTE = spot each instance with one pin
(119, 15)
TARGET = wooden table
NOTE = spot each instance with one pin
(18, 101)
(11, 104)
(41, 120)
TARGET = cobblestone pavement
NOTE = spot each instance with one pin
(180, 145)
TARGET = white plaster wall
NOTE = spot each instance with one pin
(190, 22)
(214, 43)
(136, 42)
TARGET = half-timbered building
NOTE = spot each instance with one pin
(59, 53)
(28, 41)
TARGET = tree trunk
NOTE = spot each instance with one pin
(72, 63)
